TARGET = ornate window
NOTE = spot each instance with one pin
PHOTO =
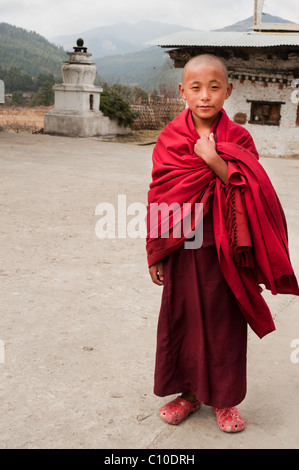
(265, 112)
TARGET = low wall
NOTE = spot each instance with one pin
(156, 115)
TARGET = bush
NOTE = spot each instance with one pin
(113, 106)
(44, 96)
(17, 98)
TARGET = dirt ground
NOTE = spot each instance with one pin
(79, 313)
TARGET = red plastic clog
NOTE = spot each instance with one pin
(229, 419)
(177, 410)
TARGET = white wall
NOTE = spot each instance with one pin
(278, 141)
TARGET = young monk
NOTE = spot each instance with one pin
(211, 293)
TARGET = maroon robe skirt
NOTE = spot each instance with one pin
(201, 334)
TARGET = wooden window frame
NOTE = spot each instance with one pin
(264, 103)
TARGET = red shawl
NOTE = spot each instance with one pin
(249, 223)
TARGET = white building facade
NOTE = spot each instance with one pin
(264, 70)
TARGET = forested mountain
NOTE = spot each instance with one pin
(147, 69)
(29, 51)
(164, 76)
(24, 53)
(133, 68)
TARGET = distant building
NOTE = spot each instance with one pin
(264, 69)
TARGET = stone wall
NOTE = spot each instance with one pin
(278, 61)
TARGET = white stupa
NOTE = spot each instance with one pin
(76, 110)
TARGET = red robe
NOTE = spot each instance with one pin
(249, 224)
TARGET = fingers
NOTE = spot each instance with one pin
(161, 271)
(205, 138)
(157, 274)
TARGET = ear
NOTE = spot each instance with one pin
(229, 90)
(181, 90)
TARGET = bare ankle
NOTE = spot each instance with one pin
(189, 397)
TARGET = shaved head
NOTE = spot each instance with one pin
(205, 59)
(205, 87)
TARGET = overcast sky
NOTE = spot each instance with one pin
(55, 17)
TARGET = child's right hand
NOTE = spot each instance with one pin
(157, 273)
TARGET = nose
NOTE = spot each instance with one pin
(205, 94)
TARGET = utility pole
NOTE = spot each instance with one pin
(258, 11)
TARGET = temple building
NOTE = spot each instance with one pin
(263, 65)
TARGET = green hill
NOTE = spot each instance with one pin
(29, 51)
(165, 76)
(149, 69)
(131, 69)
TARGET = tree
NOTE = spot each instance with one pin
(138, 95)
(17, 98)
(42, 78)
(130, 95)
(168, 90)
(15, 80)
(44, 96)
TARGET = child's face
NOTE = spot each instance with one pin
(205, 88)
